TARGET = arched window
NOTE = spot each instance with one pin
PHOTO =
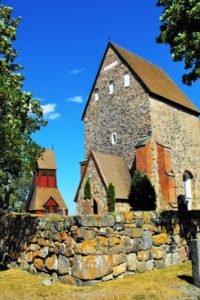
(187, 182)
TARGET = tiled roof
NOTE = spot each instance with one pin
(47, 161)
(42, 194)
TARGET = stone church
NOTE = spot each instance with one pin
(136, 117)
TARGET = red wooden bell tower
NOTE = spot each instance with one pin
(45, 196)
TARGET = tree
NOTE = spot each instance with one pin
(20, 116)
(87, 190)
(111, 197)
(142, 194)
(180, 29)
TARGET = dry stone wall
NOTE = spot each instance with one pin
(92, 248)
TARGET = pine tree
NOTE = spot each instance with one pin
(87, 190)
(111, 198)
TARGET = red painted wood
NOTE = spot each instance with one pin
(43, 181)
(40, 212)
(51, 202)
(51, 181)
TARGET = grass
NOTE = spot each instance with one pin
(16, 284)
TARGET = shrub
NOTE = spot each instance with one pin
(111, 197)
(142, 194)
(87, 190)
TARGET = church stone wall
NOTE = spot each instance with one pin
(98, 192)
(180, 131)
(126, 112)
(90, 249)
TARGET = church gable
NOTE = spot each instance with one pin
(98, 190)
(117, 112)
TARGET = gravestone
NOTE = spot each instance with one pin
(195, 251)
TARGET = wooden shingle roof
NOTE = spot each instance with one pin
(113, 169)
(42, 194)
(47, 161)
(156, 80)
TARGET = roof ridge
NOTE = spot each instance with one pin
(138, 56)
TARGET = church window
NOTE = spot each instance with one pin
(96, 94)
(126, 80)
(114, 138)
(187, 182)
(111, 87)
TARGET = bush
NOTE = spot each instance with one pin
(87, 190)
(111, 197)
(142, 194)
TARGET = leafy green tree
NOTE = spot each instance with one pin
(111, 197)
(87, 190)
(142, 194)
(180, 29)
(20, 116)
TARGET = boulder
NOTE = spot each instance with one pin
(52, 262)
(63, 265)
(91, 267)
(117, 270)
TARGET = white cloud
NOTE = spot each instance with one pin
(76, 71)
(49, 111)
(76, 99)
(54, 116)
(48, 108)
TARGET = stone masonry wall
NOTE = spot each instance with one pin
(181, 131)
(125, 112)
(98, 191)
(89, 249)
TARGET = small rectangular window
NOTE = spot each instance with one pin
(113, 138)
(111, 87)
(126, 80)
(96, 94)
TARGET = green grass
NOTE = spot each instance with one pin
(16, 284)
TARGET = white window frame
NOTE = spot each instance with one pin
(96, 94)
(113, 138)
(126, 79)
(111, 87)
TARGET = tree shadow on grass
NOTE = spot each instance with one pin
(187, 278)
(3, 268)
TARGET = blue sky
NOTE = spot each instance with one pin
(60, 45)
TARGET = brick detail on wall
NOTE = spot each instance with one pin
(83, 165)
(165, 173)
(144, 159)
